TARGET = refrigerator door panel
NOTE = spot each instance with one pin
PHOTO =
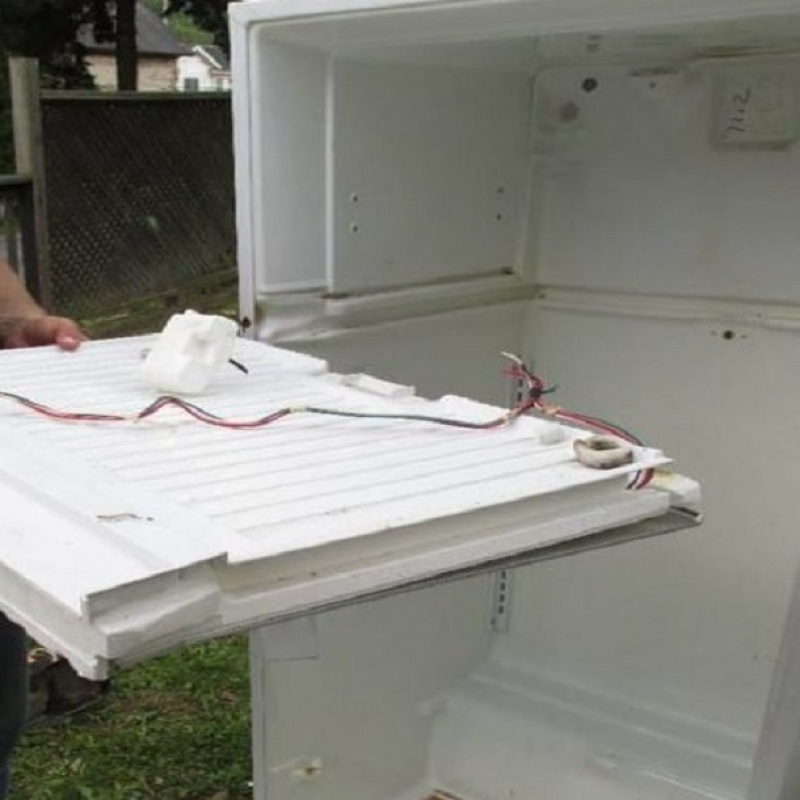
(154, 532)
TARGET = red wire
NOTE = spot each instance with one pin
(533, 401)
(535, 390)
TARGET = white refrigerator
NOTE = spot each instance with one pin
(605, 188)
(610, 188)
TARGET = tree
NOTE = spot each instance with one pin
(48, 30)
(127, 67)
(210, 15)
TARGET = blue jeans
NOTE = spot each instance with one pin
(13, 692)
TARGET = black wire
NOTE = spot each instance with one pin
(241, 367)
(455, 423)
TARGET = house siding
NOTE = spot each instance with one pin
(196, 69)
(154, 75)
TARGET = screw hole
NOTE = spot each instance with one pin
(728, 335)
(589, 84)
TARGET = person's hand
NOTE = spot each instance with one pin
(43, 330)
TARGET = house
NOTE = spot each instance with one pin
(206, 70)
(158, 54)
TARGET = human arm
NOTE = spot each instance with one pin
(23, 323)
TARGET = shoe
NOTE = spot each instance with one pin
(55, 690)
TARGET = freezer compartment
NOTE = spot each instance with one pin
(392, 161)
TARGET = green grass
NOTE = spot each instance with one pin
(213, 295)
(184, 29)
(182, 25)
(176, 728)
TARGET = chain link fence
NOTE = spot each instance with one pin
(140, 196)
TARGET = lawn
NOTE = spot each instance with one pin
(176, 728)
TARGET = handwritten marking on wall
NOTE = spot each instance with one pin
(756, 108)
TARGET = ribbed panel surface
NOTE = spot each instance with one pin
(304, 480)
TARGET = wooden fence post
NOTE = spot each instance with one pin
(29, 155)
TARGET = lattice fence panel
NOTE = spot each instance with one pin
(140, 197)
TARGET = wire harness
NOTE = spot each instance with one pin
(207, 417)
(535, 391)
(530, 401)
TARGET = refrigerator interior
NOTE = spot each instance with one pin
(615, 200)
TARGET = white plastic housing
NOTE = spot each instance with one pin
(190, 349)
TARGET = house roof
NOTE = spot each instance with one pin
(153, 37)
(214, 55)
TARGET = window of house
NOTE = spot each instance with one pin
(191, 84)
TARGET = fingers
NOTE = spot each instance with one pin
(39, 331)
(68, 335)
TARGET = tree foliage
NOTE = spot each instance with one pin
(210, 15)
(48, 31)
